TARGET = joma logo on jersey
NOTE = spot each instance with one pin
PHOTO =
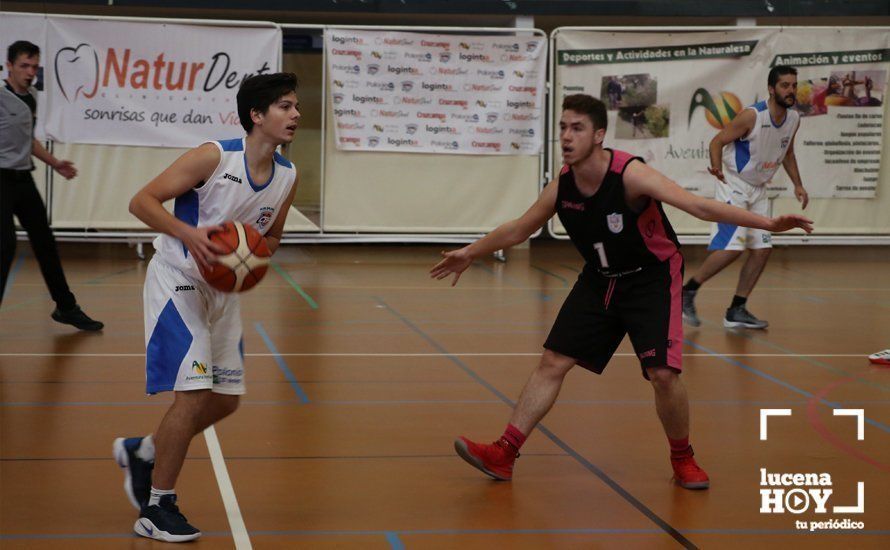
(236, 179)
(180, 288)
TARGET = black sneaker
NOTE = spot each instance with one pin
(739, 317)
(137, 472)
(75, 316)
(163, 521)
(690, 317)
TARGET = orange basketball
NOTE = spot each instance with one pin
(244, 262)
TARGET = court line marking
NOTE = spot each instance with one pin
(291, 378)
(226, 491)
(12, 272)
(101, 278)
(768, 343)
(513, 354)
(563, 280)
(828, 435)
(394, 541)
(293, 284)
(589, 466)
(543, 296)
(359, 533)
(440, 288)
(787, 385)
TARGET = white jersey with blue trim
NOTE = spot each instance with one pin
(756, 157)
(228, 194)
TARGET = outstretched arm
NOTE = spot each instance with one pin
(642, 180)
(64, 167)
(738, 128)
(505, 235)
(185, 173)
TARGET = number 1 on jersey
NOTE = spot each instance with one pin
(601, 250)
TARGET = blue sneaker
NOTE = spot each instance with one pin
(137, 472)
(165, 522)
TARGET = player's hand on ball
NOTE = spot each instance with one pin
(197, 241)
(455, 261)
(791, 221)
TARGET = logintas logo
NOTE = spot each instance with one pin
(718, 112)
(79, 72)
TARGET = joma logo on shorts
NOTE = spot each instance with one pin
(184, 287)
(649, 353)
(236, 179)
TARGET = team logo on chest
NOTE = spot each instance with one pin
(615, 222)
(266, 213)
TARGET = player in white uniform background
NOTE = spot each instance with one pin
(193, 332)
(745, 156)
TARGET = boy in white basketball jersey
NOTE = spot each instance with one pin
(744, 157)
(193, 332)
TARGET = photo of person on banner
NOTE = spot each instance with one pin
(745, 156)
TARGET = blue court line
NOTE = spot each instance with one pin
(563, 280)
(12, 272)
(394, 542)
(22, 304)
(801, 357)
(510, 281)
(771, 378)
(284, 275)
(578, 531)
(109, 275)
(642, 508)
(282, 364)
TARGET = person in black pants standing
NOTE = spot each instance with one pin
(18, 193)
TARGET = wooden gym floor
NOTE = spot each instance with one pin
(361, 371)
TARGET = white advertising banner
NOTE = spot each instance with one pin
(15, 27)
(150, 84)
(669, 94)
(431, 93)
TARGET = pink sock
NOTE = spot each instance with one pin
(680, 447)
(514, 436)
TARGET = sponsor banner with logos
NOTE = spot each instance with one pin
(430, 93)
(668, 95)
(151, 84)
(15, 27)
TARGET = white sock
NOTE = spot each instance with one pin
(156, 495)
(146, 450)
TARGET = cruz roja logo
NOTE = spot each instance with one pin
(797, 493)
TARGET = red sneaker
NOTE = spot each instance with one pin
(687, 473)
(495, 459)
(880, 358)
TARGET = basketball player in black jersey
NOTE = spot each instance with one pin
(610, 203)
